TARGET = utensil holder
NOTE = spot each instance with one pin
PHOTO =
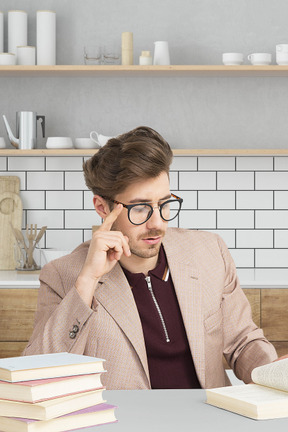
(22, 258)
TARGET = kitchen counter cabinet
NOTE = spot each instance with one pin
(18, 306)
(17, 310)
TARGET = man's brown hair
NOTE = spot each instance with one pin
(136, 155)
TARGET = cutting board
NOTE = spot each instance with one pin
(9, 184)
(10, 212)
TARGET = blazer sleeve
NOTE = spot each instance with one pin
(58, 314)
(245, 345)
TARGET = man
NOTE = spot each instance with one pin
(161, 305)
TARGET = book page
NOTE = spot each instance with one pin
(273, 375)
(251, 393)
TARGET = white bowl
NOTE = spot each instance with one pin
(59, 142)
(88, 143)
(232, 58)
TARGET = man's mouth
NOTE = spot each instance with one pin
(152, 240)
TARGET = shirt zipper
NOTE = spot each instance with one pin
(149, 284)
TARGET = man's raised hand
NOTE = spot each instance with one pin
(106, 248)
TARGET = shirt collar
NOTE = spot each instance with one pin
(160, 271)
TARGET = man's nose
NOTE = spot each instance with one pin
(155, 220)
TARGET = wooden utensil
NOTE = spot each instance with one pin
(31, 236)
(20, 241)
(39, 236)
(19, 237)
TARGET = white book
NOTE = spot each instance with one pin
(53, 365)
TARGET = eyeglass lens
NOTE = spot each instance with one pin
(142, 212)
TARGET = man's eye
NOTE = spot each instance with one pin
(140, 209)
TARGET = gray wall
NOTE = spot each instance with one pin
(189, 112)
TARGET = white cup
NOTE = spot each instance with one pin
(82, 143)
(2, 142)
(26, 55)
(232, 58)
(7, 59)
(282, 58)
(59, 142)
(99, 139)
(258, 59)
(282, 48)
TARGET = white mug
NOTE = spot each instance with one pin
(282, 48)
(99, 139)
(260, 58)
(7, 59)
(282, 58)
(232, 58)
(59, 142)
(161, 53)
(26, 55)
(2, 142)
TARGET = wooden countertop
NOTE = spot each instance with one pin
(14, 279)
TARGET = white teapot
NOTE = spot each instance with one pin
(99, 139)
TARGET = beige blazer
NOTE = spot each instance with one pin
(216, 314)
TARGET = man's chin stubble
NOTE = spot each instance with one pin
(150, 253)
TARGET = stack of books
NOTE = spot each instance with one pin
(52, 392)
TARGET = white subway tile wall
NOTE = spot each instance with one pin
(3, 164)
(281, 163)
(244, 199)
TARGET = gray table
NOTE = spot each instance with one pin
(177, 410)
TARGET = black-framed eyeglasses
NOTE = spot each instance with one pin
(138, 214)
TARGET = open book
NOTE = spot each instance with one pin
(266, 399)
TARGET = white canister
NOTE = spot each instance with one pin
(17, 30)
(1, 31)
(145, 59)
(7, 59)
(161, 53)
(46, 37)
(26, 55)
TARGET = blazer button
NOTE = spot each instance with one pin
(72, 335)
(75, 328)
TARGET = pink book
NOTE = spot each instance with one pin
(43, 389)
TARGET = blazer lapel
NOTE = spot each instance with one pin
(187, 284)
(114, 294)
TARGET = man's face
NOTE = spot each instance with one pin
(144, 240)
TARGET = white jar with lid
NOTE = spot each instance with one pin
(145, 59)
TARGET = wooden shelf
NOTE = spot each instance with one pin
(48, 152)
(176, 152)
(136, 70)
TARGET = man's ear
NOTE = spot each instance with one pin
(101, 206)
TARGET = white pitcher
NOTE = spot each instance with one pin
(161, 53)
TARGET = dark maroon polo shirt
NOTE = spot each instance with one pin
(170, 363)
